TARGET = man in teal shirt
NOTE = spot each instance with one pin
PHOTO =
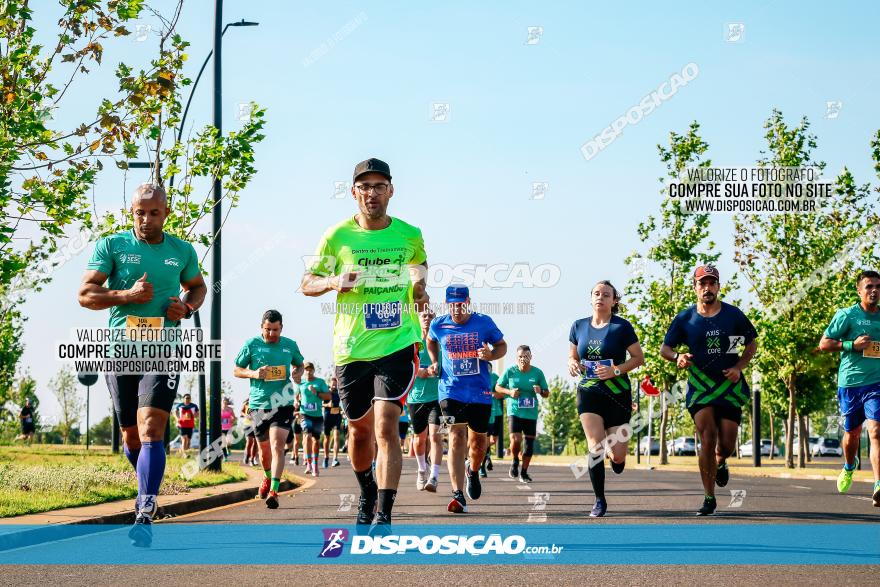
(266, 360)
(522, 384)
(855, 333)
(425, 414)
(144, 270)
(496, 423)
(313, 391)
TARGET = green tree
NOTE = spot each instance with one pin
(65, 387)
(559, 414)
(102, 432)
(48, 171)
(660, 286)
(799, 267)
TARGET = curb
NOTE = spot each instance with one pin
(31, 536)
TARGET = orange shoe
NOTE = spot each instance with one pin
(264, 487)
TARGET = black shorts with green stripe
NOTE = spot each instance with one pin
(704, 390)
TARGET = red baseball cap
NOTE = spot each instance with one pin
(706, 271)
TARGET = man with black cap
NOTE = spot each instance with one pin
(714, 332)
(376, 264)
(461, 344)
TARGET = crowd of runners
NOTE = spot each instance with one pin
(397, 365)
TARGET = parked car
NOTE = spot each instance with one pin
(655, 446)
(826, 447)
(683, 445)
(745, 449)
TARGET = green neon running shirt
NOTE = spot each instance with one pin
(376, 318)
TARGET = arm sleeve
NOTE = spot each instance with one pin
(191, 268)
(629, 336)
(419, 254)
(837, 329)
(746, 327)
(432, 331)
(573, 335)
(297, 358)
(493, 334)
(503, 382)
(244, 357)
(101, 259)
(323, 262)
(674, 335)
(543, 382)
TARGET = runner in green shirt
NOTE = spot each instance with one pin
(144, 270)
(376, 265)
(269, 361)
(425, 415)
(496, 423)
(522, 384)
(855, 333)
(313, 391)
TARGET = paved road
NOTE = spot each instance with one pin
(638, 496)
(635, 497)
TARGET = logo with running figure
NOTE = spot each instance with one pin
(334, 540)
(735, 343)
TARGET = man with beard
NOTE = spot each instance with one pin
(854, 332)
(713, 332)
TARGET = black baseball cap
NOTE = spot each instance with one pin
(372, 165)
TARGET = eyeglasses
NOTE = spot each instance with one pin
(378, 188)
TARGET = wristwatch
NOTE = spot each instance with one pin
(189, 311)
(675, 358)
(617, 371)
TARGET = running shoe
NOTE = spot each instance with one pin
(308, 469)
(141, 533)
(483, 472)
(421, 480)
(264, 487)
(296, 458)
(326, 462)
(458, 505)
(335, 462)
(708, 507)
(617, 467)
(844, 480)
(524, 477)
(488, 463)
(149, 507)
(366, 509)
(431, 485)
(876, 497)
(381, 525)
(473, 485)
(514, 470)
(272, 500)
(722, 476)
(599, 509)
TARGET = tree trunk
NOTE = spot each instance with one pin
(802, 449)
(664, 421)
(772, 436)
(807, 422)
(792, 413)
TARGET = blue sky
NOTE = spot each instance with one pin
(518, 114)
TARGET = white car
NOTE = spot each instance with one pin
(683, 445)
(827, 447)
(745, 449)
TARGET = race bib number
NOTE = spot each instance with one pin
(28, 419)
(872, 351)
(461, 367)
(276, 373)
(186, 417)
(225, 422)
(526, 402)
(311, 407)
(590, 367)
(135, 325)
(334, 410)
(382, 316)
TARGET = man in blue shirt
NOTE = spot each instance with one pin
(713, 332)
(461, 344)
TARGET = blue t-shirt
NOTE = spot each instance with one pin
(463, 376)
(715, 344)
(602, 344)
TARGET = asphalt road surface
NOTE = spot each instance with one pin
(636, 497)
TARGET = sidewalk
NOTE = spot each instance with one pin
(122, 511)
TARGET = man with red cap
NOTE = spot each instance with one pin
(720, 342)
